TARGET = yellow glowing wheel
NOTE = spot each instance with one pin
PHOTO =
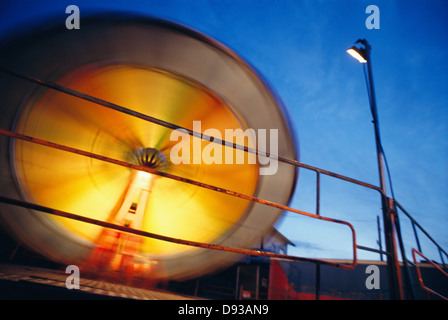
(156, 68)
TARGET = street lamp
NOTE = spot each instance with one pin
(362, 54)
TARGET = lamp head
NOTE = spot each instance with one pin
(358, 54)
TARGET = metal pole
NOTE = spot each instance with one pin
(379, 236)
(317, 290)
(416, 236)
(407, 276)
(237, 295)
(379, 150)
(257, 284)
(317, 279)
(393, 274)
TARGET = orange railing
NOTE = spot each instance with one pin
(419, 273)
(293, 162)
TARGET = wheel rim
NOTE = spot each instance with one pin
(239, 99)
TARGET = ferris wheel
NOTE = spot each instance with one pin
(116, 90)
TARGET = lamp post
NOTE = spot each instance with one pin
(363, 56)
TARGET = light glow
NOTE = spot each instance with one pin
(355, 54)
(103, 191)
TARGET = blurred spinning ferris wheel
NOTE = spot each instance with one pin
(146, 67)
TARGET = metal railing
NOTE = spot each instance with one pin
(390, 203)
(419, 273)
(415, 227)
(73, 216)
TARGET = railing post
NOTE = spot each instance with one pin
(317, 192)
(379, 237)
(407, 276)
(416, 236)
(392, 259)
(317, 281)
(441, 258)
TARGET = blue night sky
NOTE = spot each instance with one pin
(300, 48)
